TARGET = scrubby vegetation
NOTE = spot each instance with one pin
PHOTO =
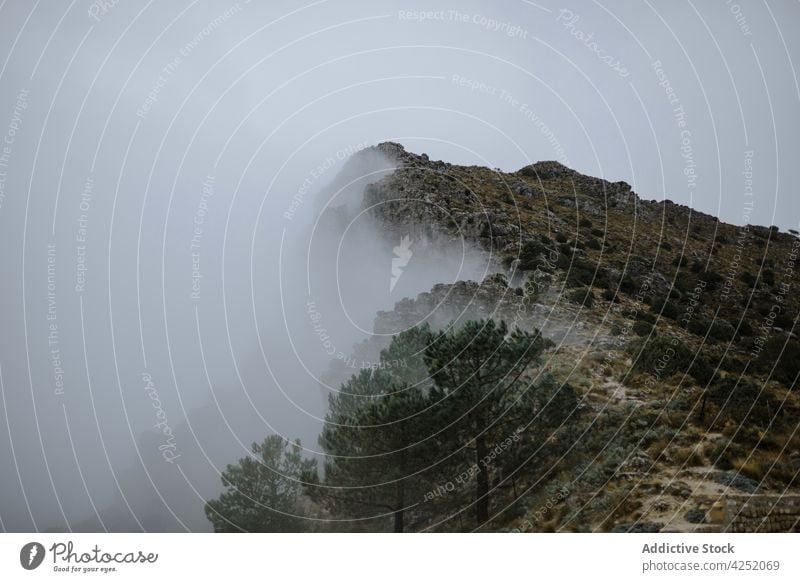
(410, 448)
(682, 377)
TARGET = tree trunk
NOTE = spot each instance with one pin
(482, 487)
(399, 505)
(703, 406)
(398, 521)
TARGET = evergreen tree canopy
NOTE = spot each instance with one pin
(377, 452)
(261, 492)
(478, 371)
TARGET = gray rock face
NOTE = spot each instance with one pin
(436, 199)
(439, 204)
(459, 302)
(421, 197)
(617, 192)
(557, 319)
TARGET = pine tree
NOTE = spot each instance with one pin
(376, 452)
(262, 491)
(478, 372)
(375, 436)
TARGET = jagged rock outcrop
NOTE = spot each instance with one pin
(612, 272)
(457, 302)
(435, 199)
(493, 298)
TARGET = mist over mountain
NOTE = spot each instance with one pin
(226, 223)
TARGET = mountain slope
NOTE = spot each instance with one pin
(675, 328)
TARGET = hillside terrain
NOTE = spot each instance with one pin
(622, 365)
(609, 277)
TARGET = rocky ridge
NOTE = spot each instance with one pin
(559, 237)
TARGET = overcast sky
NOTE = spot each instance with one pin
(152, 151)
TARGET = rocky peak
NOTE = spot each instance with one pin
(548, 170)
(392, 149)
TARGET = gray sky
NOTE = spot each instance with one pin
(235, 114)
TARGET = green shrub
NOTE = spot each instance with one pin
(683, 283)
(745, 329)
(713, 280)
(531, 253)
(642, 328)
(784, 355)
(784, 320)
(665, 307)
(680, 261)
(722, 330)
(741, 400)
(698, 325)
(582, 296)
(669, 355)
(646, 316)
(732, 364)
(627, 285)
(585, 222)
(595, 244)
(762, 306)
(582, 272)
(748, 278)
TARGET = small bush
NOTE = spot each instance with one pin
(698, 326)
(683, 283)
(628, 284)
(585, 222)
(642, 328)
(583, 297)
(722, 330)
(595, 244)
(784, 321)
(645, 316)
(732, 364)
(530, 255)
(784, 355)
(669, 355)
(713, 280)
(740, 400)
(745, 329)
(748, 278)
(665, 307)
(583, 273)
(695, 516)
(737, 481)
